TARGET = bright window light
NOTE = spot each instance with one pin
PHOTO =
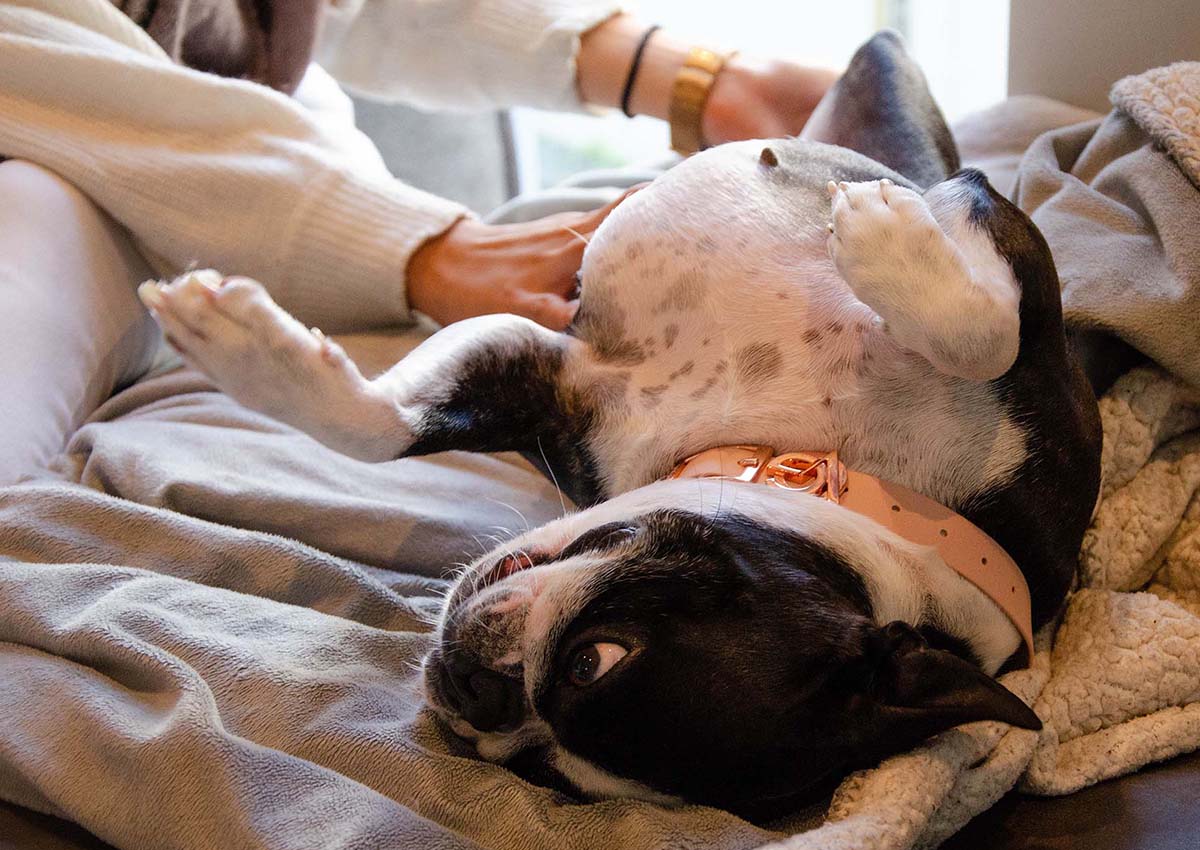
(962, 47)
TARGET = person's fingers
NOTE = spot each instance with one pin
(552, 311)
(573, 226)
(590, 221)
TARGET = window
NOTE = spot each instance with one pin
(962, 47)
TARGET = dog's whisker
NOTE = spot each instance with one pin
(554, 478)
(514, 509)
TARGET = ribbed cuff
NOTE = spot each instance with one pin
(347, 256)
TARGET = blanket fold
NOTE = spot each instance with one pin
(1117, 200)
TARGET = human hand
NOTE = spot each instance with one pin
(526, 268)
(762, 99)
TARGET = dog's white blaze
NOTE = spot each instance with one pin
(506, 605)
(561, 595)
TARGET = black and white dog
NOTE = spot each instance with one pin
(699, 638)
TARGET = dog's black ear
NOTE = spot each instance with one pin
(881, 107)
(907, 691)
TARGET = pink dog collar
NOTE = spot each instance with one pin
(962, 545)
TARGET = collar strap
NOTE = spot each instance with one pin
(965, 547)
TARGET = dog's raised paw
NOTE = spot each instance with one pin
(885, 242)
(231, 330)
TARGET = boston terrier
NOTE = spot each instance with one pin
(834, 456)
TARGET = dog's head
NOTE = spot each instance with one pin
(675, 643)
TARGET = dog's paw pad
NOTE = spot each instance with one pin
(879, 233)
(331, 353)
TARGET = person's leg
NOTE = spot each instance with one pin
(71, 326)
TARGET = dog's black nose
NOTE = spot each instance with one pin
(488, 700)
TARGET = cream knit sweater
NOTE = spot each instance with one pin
(215, 172)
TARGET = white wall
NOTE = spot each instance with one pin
(1074, 50)
(962, 46)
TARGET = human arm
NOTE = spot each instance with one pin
(751, 98)
(208, 171)
(552, 54)
(461, 54)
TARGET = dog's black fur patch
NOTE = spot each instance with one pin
(512, 401)
(755, 675)
(698, 601)
(1040, 514)
(881, 107)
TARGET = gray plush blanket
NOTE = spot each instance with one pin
(210, 625)
(210, 629)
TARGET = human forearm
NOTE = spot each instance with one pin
(606, 54)
(750, 97)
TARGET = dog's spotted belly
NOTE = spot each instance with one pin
(695, 339)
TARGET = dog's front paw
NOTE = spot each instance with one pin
(885, 242)
(231, 329)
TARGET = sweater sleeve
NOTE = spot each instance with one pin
(461, 54)
(205, 171)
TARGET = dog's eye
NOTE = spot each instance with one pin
(590, 662)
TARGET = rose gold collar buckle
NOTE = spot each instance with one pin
(727, 463)
(818, 473)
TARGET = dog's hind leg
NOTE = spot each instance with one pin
(484, 384)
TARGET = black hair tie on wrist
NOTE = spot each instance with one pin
(633, 68)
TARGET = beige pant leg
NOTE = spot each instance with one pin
(71, 327)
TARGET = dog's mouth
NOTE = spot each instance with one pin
(515, 563)
(596, 540)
